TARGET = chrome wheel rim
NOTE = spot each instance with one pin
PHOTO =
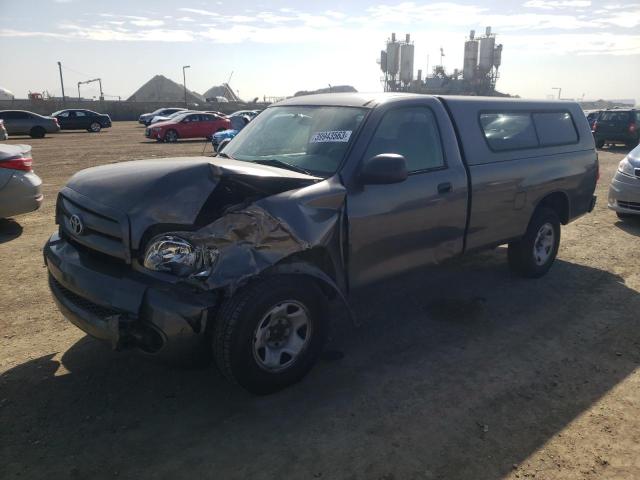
(543, 245)
(281, 336)
(95, 127)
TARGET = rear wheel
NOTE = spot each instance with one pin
(171, 136)
(37, 132)
(533, 255)
(95, 127)
(270, 334)
(599, 143)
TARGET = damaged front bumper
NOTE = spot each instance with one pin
(115, 303)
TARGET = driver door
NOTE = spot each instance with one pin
(394, 228)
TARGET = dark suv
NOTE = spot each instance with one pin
(617, 126)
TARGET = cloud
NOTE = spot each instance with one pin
(147, 23)
(554, 4)
(542, 23)
(200, 12)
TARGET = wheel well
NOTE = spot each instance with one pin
(559, 203)
(318, 257)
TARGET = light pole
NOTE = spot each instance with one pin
(559, 91)
(184, 82)
(61, 81)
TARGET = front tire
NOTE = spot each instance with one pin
(270, 334)
(37, 132)
(171, 136)
(95, 127)
(533, 255)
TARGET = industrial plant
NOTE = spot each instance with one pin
(479, 74)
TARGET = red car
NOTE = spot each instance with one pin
(189, 125)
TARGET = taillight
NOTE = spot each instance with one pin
(23, 163)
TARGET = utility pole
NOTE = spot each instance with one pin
(184, 82)
(61, 81)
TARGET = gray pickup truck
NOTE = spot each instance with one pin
(318, 196)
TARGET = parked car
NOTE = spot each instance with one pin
(245, 113)
(318, 196)
(146, 118)
(164, 118)
(189, 125)
(19, 186)
(592, 115)
(80, 119)
(3, 131)
(617, 126)
(21, 122)
(624, 192)
(237, 123)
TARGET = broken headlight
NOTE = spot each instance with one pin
(175, 255)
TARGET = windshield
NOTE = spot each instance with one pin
(311, 139)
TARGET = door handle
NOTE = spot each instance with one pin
(445, 188)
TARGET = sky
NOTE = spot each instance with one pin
(590, 49)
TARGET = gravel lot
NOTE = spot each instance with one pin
(460, 372)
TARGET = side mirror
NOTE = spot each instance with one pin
(383, 169)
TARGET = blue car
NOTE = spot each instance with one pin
(223, 135)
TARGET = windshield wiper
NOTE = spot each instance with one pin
(279, 163)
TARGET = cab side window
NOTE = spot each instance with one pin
(413, 133)
(80, 114)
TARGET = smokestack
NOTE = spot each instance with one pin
(472, 34)
(408, 38)
(393, 37)
(488, 31)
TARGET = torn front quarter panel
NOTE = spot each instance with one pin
(254, 238)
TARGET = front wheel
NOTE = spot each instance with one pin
(171, 136)
(269, 335)
(533, 255)
(95, 127)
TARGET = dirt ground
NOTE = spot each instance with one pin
(460, 372)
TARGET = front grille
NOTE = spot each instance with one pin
(629, 205)
(82, 303)
(101, 232)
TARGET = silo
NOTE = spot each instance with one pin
(487, 46)
(383, 60)
(497, 56)
(470, 57)
(406, 62)
(393, 56)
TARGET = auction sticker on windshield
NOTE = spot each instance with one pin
(334, 136)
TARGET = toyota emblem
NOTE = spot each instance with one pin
(75, 222)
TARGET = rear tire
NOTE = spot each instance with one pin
(258, 326)
(95, 127)
(37, 132)
(171, 136)
(599, 143)
(533, 255)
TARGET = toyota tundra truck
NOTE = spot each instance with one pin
(317, 197)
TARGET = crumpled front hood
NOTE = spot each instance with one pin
(179, 191)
